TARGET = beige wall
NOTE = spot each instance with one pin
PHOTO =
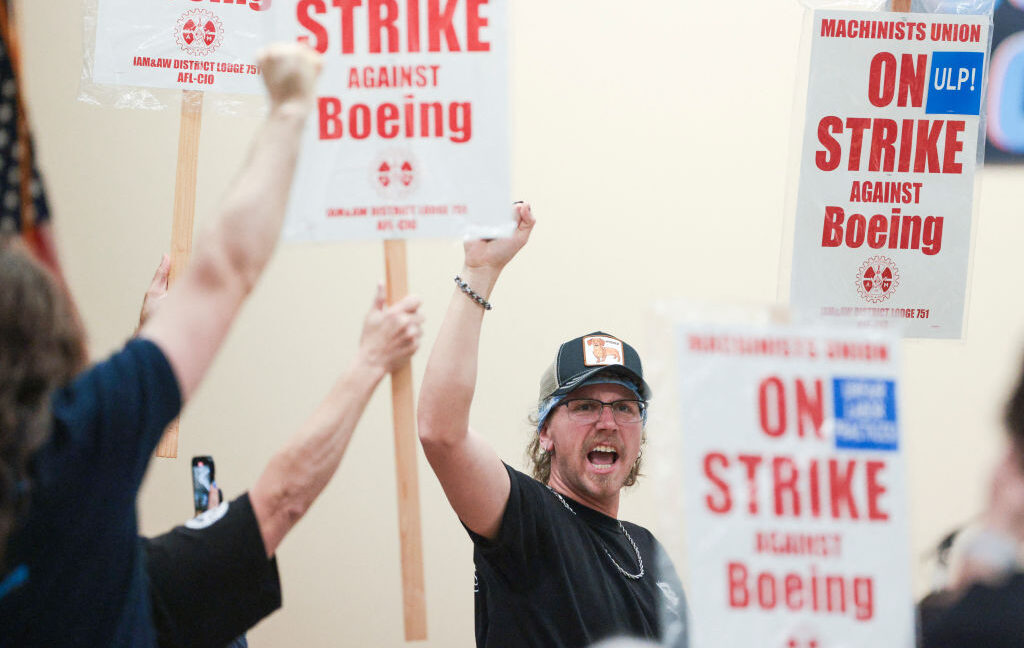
(663, 133)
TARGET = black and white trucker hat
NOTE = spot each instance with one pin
(581, 358)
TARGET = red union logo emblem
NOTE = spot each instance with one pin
(188, 32)
(877, 279)
(395, 173)
(209, 32)
(803, 637)
(869, 279)
(199, 32)
(886, 279)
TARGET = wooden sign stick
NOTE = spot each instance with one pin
(184, 215)
(413, 595)
(901, 5)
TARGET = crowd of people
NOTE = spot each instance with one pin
(555, 565)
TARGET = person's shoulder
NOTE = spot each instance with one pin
(522, 480)
(144, 352)
(640, 530)
(133, 385)
(644, 537)
(516, 475)
(527, 490)
(1009, 588)
(137, 355)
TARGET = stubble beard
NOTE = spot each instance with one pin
(595, 485)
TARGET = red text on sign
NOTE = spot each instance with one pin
(773, 411)
(786, 543)
(811, 592)
(255, 5)
(885, 191)
(393, 76)
(429, 119)
(899, 30)
(884, 73)
(382, 19)
(897, 231)
(841, 489)
(888, 29)
(904, 146)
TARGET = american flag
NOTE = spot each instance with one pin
(23, 206)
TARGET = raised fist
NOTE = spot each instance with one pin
(290, 71)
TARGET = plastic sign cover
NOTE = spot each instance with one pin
(889, 155)
(187, 45)
(409, 134)
(795, 487)
(409, 137)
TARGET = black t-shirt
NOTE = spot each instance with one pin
(546, 580)
(79, 557)
(985, 617)
(210, 580)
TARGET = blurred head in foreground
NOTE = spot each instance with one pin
(41, 348)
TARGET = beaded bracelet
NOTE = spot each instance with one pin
(464, 287)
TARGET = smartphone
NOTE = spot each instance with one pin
(202, 482)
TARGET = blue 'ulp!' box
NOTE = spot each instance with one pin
(865, 414)
(954, 84)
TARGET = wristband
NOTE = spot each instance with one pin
(472, 294)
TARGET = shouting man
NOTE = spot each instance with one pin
(555, 566)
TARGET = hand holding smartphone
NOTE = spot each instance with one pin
(202, 482)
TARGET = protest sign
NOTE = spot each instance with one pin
(887, 166)
(185, 44)
(795, 488)
(410, 133)
(191, 45)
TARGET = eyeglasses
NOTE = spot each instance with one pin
(589, 410)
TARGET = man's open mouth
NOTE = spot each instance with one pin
(603, 457)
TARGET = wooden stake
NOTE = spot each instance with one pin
(413, 595)
(184, 215)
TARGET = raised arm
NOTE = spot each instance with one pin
(468, 468)
(297, 474)
(231, 252)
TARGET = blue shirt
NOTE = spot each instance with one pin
(79, 548)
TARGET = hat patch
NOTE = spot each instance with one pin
(600, 350)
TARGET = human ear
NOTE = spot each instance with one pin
(546, 442)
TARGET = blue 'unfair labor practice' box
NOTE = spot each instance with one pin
(954, 85)
(865, 414)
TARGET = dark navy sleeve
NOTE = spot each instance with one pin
(115, 412)
(79, 542)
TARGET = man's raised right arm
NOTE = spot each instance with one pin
(231, 253)
(471, 474)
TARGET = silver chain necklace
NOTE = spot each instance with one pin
(639, 560)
